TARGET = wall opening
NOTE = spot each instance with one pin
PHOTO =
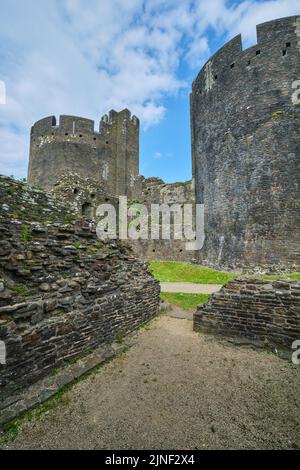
(87, 210)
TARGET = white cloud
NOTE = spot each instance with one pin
(157, 155)
(87, 56)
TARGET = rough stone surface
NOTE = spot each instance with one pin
(156, 191)
(66, 292)
(84, 196)
(254, 308)
(245, 117)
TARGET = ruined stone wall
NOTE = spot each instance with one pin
(62, 291)
(84, 196)
(245, 118)
(254, 308)
(110, 157)
(156, 191)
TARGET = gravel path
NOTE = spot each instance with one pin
(176, 389)
(189, 287)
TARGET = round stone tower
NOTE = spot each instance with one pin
(245, 118)
(110, 157)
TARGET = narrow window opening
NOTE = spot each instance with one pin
(75, 191)
(216, 77)
(288, 44)
(87, 209)
(284, 52)
(66, 133)
(258, 52)
(232, 66)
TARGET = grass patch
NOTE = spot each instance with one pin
(176, 271)
(185, 301)
(281, 276)
(10, 430)
(26, 233)
(22, 290)
(120, 339)
(173, 271)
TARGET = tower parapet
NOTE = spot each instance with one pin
(245, 117)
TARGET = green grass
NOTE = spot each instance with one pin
(22, 290)
(282, 276)
(173, 271)
(185, 301)
(176, 271)
(11, 430)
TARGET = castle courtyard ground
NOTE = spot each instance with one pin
(175, 389)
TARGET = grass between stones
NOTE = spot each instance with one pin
(187, 302)
(10, 430)
(177, 271)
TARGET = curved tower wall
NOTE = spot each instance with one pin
(110, 157)
(245, 119)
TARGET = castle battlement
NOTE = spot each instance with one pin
(114, 117)
(73, 125)
(245, 120)
(275, 41)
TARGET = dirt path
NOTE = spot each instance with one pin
(189, 287)
(176, 389)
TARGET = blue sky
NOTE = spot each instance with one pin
(85, 57)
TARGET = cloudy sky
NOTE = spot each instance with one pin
(84, 57)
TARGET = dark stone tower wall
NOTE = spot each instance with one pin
(121, 130)
(245, 117)
(74, 146)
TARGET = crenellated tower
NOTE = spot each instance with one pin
(121, 130)
(110, 157)
(245, 119)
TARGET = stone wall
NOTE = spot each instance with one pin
(84, 196)
(62, 291)
(254, 308)
(156, 191)
(245, 119)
